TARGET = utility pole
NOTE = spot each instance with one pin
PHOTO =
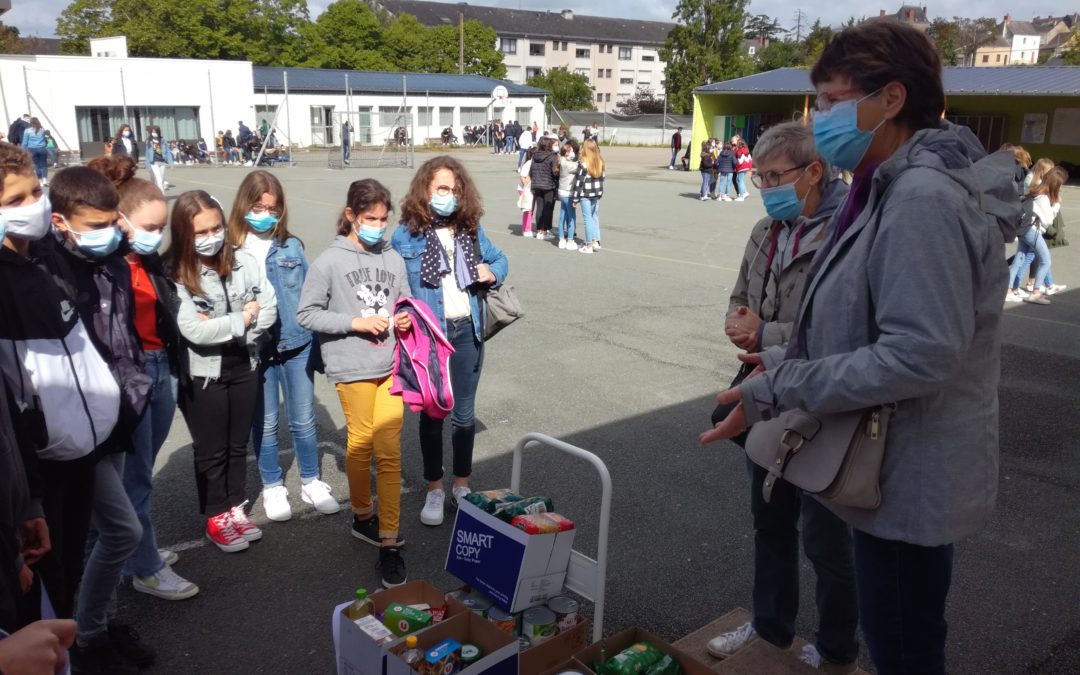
(461, 43)
(799, 14)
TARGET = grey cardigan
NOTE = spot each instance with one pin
(204, 338)
(905, 308)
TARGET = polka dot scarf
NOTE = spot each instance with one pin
(435, 263)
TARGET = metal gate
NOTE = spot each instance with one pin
(363, 142)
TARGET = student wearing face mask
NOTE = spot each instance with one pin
(568, 165)
(349, 299)
(124, 143)
(158, 156)
(799, 199)
(259, 226)
(227, 306)
(450, 263)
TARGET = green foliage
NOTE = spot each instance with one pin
(1071, 55)
(82, 20)
(644, 102)
(762, 26)
(704, 47)
(815, 42)
(348, 35)
(971, 34)
(779, 55)
(569, 91)
(944, 34)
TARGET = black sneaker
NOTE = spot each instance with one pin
(368, 530)
(100, 656)
(392, 565)
(126, 640)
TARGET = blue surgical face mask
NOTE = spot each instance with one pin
(145, 243)
(782, 202)
(97, 243)
(838, 136)
(444, 205)
(261, 222)
(369, 234)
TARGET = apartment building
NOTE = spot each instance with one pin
(617, 55)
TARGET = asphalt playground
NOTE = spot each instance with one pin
(621, 353)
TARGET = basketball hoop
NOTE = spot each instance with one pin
(500, 93)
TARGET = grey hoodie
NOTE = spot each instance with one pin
(906, 308)
(346, 282)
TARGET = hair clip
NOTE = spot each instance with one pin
(220, 205)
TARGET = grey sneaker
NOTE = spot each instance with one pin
(166, 584)
(460, 493)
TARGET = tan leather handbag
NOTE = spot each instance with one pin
(835, 456)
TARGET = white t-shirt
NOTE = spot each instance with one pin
(258, 245)
(456, 302)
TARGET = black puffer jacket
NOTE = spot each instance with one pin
(544, 171)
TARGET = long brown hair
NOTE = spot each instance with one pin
(416, 213)
(591, 158)
(134, 192)
(181, 259)
(1040, 169)
(1050, 185)
(251, 190)
(363, 194)
(120, 132)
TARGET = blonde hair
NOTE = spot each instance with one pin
(1022, 156)
(591, 158)
(1041, 168)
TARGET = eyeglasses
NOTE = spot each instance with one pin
(259, 208)
(771, 179)
(446, 191)
(825, 102)
(217, 229)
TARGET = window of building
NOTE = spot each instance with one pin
(473, 116)
(648, 57)
(96, 124)
(610, 48)
(625, 53)
(508, 45)
(532, 72)
(523, 116)
(536, 49)
(989, 129)
(599, 73)
(986, 58)
(626, 80)
(583, 53)
(599, 98)
(607, 98)
(607, 73)
(423, 117)
(446, 117)
(752, 50)
(999, 58)
(565, 46)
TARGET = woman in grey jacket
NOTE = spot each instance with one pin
(903, 307)
(226, 307)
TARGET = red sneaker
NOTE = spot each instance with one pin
(221, 531)
(243, 524)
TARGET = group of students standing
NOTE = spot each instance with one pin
(547, 174)
(107, 336)
(724, 165)
(1040, 188)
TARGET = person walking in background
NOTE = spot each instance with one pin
(450, 262)
(52, 152)
(158, 156)
(525, 200)
(568, 165)
(587, 190)
(676, 146)
(15, 131)
(124, 143)
(226, 307)
(744, 163)
(259, 226)
(36, 143)
(349, 299)
(527, 139)
(1045, 205)
(346, 142)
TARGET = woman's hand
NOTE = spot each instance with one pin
(403, 322)
(484, 275)
(732, 425)
(742, 327)
(373, 325)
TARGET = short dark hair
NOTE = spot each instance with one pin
(872, 55)
(79, 187)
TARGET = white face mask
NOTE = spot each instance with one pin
(209, 246)
(30, 221)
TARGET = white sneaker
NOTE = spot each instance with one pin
(741, 198)
(1030, 288)
(527, 235)
(1013, 297)
(596, 245)
(166, 584)
(432, 513)
(1021, 293)
(585, 249)
(727, 644)
(276, 503)
(168, 557)
(811, 657)
(317, 493)
(726, 198)
(562, 243)
(704, 199)
(459, 493)
(1053, 289)
(571, 245)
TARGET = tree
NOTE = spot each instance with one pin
(815, 42)
(1071, 55)
(704, 47)
(481, 55)
(348, 35)
(760, 26)
(971, 34)
(944, 34)
(9, 40)
(779, 55)
(82, 20)
(644, 102)
(569, 91)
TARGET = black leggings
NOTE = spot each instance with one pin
(218, 415)
(545, 208)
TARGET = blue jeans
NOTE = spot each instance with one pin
(1021, 276)
(41, 162)
(706, 183)
(724, 185)
(148, 438)
(590, 210)
(521, 157)
(740, 183)
(902, 591)
(290, 374)
(567, 218)
(466, 364)
(1031, 242)
(827, 542)
(674, 156)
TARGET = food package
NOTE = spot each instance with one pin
(374, 630)
(524, 507)
(445, 657)
(402, 619)
(542, 523)
(491, 500)
(665, 666)
(636, 658)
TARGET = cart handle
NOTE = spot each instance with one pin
(605, 511)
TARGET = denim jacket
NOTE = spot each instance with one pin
(411, 247)
(225, 322)
(286, 269)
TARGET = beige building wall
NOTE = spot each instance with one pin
(991, 57)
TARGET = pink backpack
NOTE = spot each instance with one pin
(422, 362)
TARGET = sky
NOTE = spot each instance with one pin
(38, 17)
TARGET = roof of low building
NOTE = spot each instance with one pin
(373, 82)
(958, 81)
(532, 23)
(917, 16)
(1023, 28)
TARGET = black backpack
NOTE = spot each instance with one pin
(1027, 218)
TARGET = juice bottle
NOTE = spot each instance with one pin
(412, 654)
(361, 606)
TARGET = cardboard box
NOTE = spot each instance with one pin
(357, 654)
(549, 653)
(570, 665)
(500, 650)
(514, 569)
(609, 647)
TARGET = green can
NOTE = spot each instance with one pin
(470, 654)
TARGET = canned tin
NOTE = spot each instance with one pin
(538, 624)
(566, 611)
(470, 654)
(477, 604)
(504, 621)
(458, 595)
(524, 643)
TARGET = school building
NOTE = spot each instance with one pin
(1035, 106)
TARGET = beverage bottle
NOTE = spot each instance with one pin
(361, 606)
(412, 654)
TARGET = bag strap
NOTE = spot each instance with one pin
(799, 430)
